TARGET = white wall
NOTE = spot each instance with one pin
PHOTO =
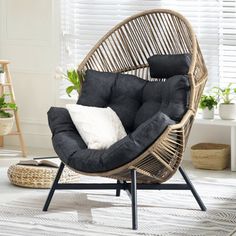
(29, 38)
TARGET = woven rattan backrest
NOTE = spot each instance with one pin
(127, 46)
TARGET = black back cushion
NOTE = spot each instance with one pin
(165, 66)
(133, 99)
(121, 92)
(96, 88)
(169, 97)
(126, 98)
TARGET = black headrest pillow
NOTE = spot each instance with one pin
(165, 66)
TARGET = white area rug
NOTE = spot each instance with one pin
(101, 213)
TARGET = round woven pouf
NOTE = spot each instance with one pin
(38, 176)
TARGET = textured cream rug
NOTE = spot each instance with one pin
(101, 213)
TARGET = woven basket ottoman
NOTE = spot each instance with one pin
(38, 176)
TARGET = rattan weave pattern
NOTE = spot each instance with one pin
(125, 48)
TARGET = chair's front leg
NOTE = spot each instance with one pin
(54, 186)
(134, 199)
(192, 189)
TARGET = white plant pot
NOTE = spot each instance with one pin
(208, 114)
(227, 111)
(6, 125)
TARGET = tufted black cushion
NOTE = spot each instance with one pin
(170, 97)
(126, 98)
(123, 93)
(96, 89)
(133, 99)
(72, 150)
(145, 109)
(165, 66)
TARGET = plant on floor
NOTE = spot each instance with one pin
(6, 105)
(227, 109)
(6, 118)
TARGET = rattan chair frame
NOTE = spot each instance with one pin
(161, 160)
(125, 49)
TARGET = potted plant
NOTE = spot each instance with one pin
(207, 104)
(6, 118)
(227, 109)
(74, 77)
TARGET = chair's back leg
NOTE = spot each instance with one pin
(193, 190)
(54, 186)
(134, 199)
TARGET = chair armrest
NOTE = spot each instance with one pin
(131, 146)
(150, 130)
(59, 120)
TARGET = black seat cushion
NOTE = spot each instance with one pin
(72, 150)
(145, 108)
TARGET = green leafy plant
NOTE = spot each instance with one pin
(227, 95)
(6, 105)
(207, 101)
(76, 78)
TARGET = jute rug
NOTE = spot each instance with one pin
(101, 213)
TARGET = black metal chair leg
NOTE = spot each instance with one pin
(118, 189)
(193, 190)
(54, 185)
(134, 199)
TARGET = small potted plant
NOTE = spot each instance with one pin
(207, 104)
(227, 109)
(74, 77)
(6, 118)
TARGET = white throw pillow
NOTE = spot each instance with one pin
(98, 127)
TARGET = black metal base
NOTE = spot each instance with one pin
(131, 188)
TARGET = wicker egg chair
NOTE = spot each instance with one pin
(125, 49)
